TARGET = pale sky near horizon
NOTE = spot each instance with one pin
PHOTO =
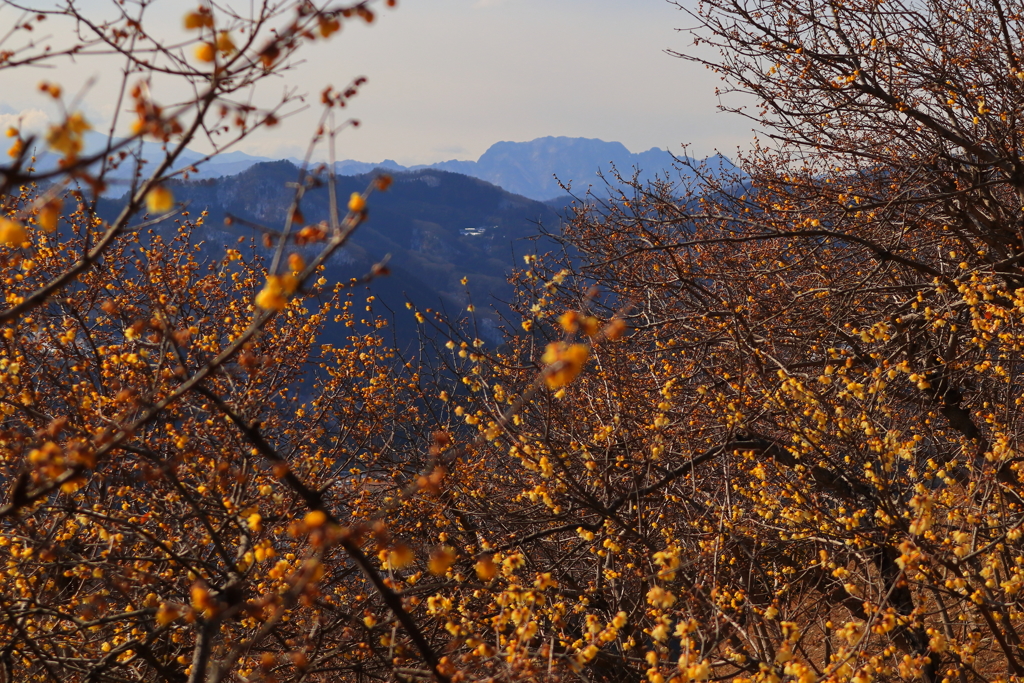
(448, 78)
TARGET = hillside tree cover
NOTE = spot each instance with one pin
(763, 431)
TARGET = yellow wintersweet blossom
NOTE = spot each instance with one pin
(699, 672)
(159, 200)
(564, 363)
(201, 598)
(356, 203)
(400, 556)
(200, 19)
(511, 563)
(659, 597)
(440, 560)
(545, 581)
(486, 569)
(205, 52)
(329, 26)
(274, 295)
(12, 232)
(16, 148)
(52, 89)
(615, 328)
(66, 137)
(315, 518)
(225, 44)
(166, 614)
(49, 214)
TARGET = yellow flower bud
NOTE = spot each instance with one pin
(564, 363)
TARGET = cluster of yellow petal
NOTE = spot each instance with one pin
(49, 214)
(66, 137)
(564, 363)
(275, 293)
(202, 18)
(12, 233)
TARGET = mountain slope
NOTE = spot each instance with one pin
(438, 227)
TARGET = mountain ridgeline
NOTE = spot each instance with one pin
(536, 168)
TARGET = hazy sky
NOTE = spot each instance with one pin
(448, 78)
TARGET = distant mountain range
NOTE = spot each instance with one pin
(532, 169)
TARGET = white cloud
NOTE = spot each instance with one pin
(27, 120)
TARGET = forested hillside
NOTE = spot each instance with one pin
(434, 227)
